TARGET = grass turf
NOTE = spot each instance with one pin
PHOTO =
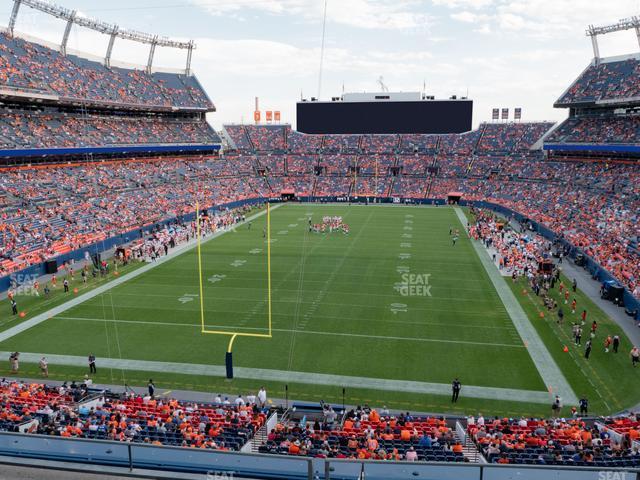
(333, 301)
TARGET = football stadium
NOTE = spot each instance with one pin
(388, 290)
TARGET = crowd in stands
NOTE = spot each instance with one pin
(240, 138)
(371, 186)
(414, 164)
(165, 422)
(516, 253)
(52, 129)
(498, 139)
(624, 129)
(79, 410)
(380, 143)
(30, 67)
(273, 164)
(301, 164)
(501, 138)
(556, 441)
(375, 165)
(416, 143)
(342, 143)
(76, 411)
(50, 211)
(301, 143)
(367, 434)
(614, 80)
(267, 138)
(410, 187)
(594, 206)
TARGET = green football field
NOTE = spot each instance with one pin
(392, 300)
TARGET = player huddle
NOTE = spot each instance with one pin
(330, 224)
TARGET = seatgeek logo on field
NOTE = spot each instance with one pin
(23, 284)
(414, 285)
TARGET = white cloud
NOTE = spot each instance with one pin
(261, 59)
(470, 17)
(484, 29)
(539, 19)
(474, 4)
(511, 21)
(368, 14)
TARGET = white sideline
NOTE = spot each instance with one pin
(491, 393)
(551, 374)
(38, 319)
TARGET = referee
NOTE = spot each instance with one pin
(456, 386)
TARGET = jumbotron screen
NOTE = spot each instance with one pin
(422, 116)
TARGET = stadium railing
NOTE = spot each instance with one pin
(127, 456)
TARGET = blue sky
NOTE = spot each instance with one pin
(505, 53)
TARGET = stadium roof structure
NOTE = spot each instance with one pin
(114, 31)
(621, 25)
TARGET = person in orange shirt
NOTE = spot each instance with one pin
(387, 435)
(372, 444)
(374, 416)
(394, 455)
(294, 449)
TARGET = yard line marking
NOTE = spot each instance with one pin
(287, 330)
(242, 285)
(38, 319)
(330, 304)
(551, 374)
(407, 386)
(426, 324)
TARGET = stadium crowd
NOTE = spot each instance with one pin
(614, 80)
(78, 410)
(49, 211)
(497, 138)
(29, 129)
(557, 441)
(35, 68)
(624, 129)
(367, 434)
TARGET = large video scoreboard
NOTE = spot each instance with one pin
(384, 113)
